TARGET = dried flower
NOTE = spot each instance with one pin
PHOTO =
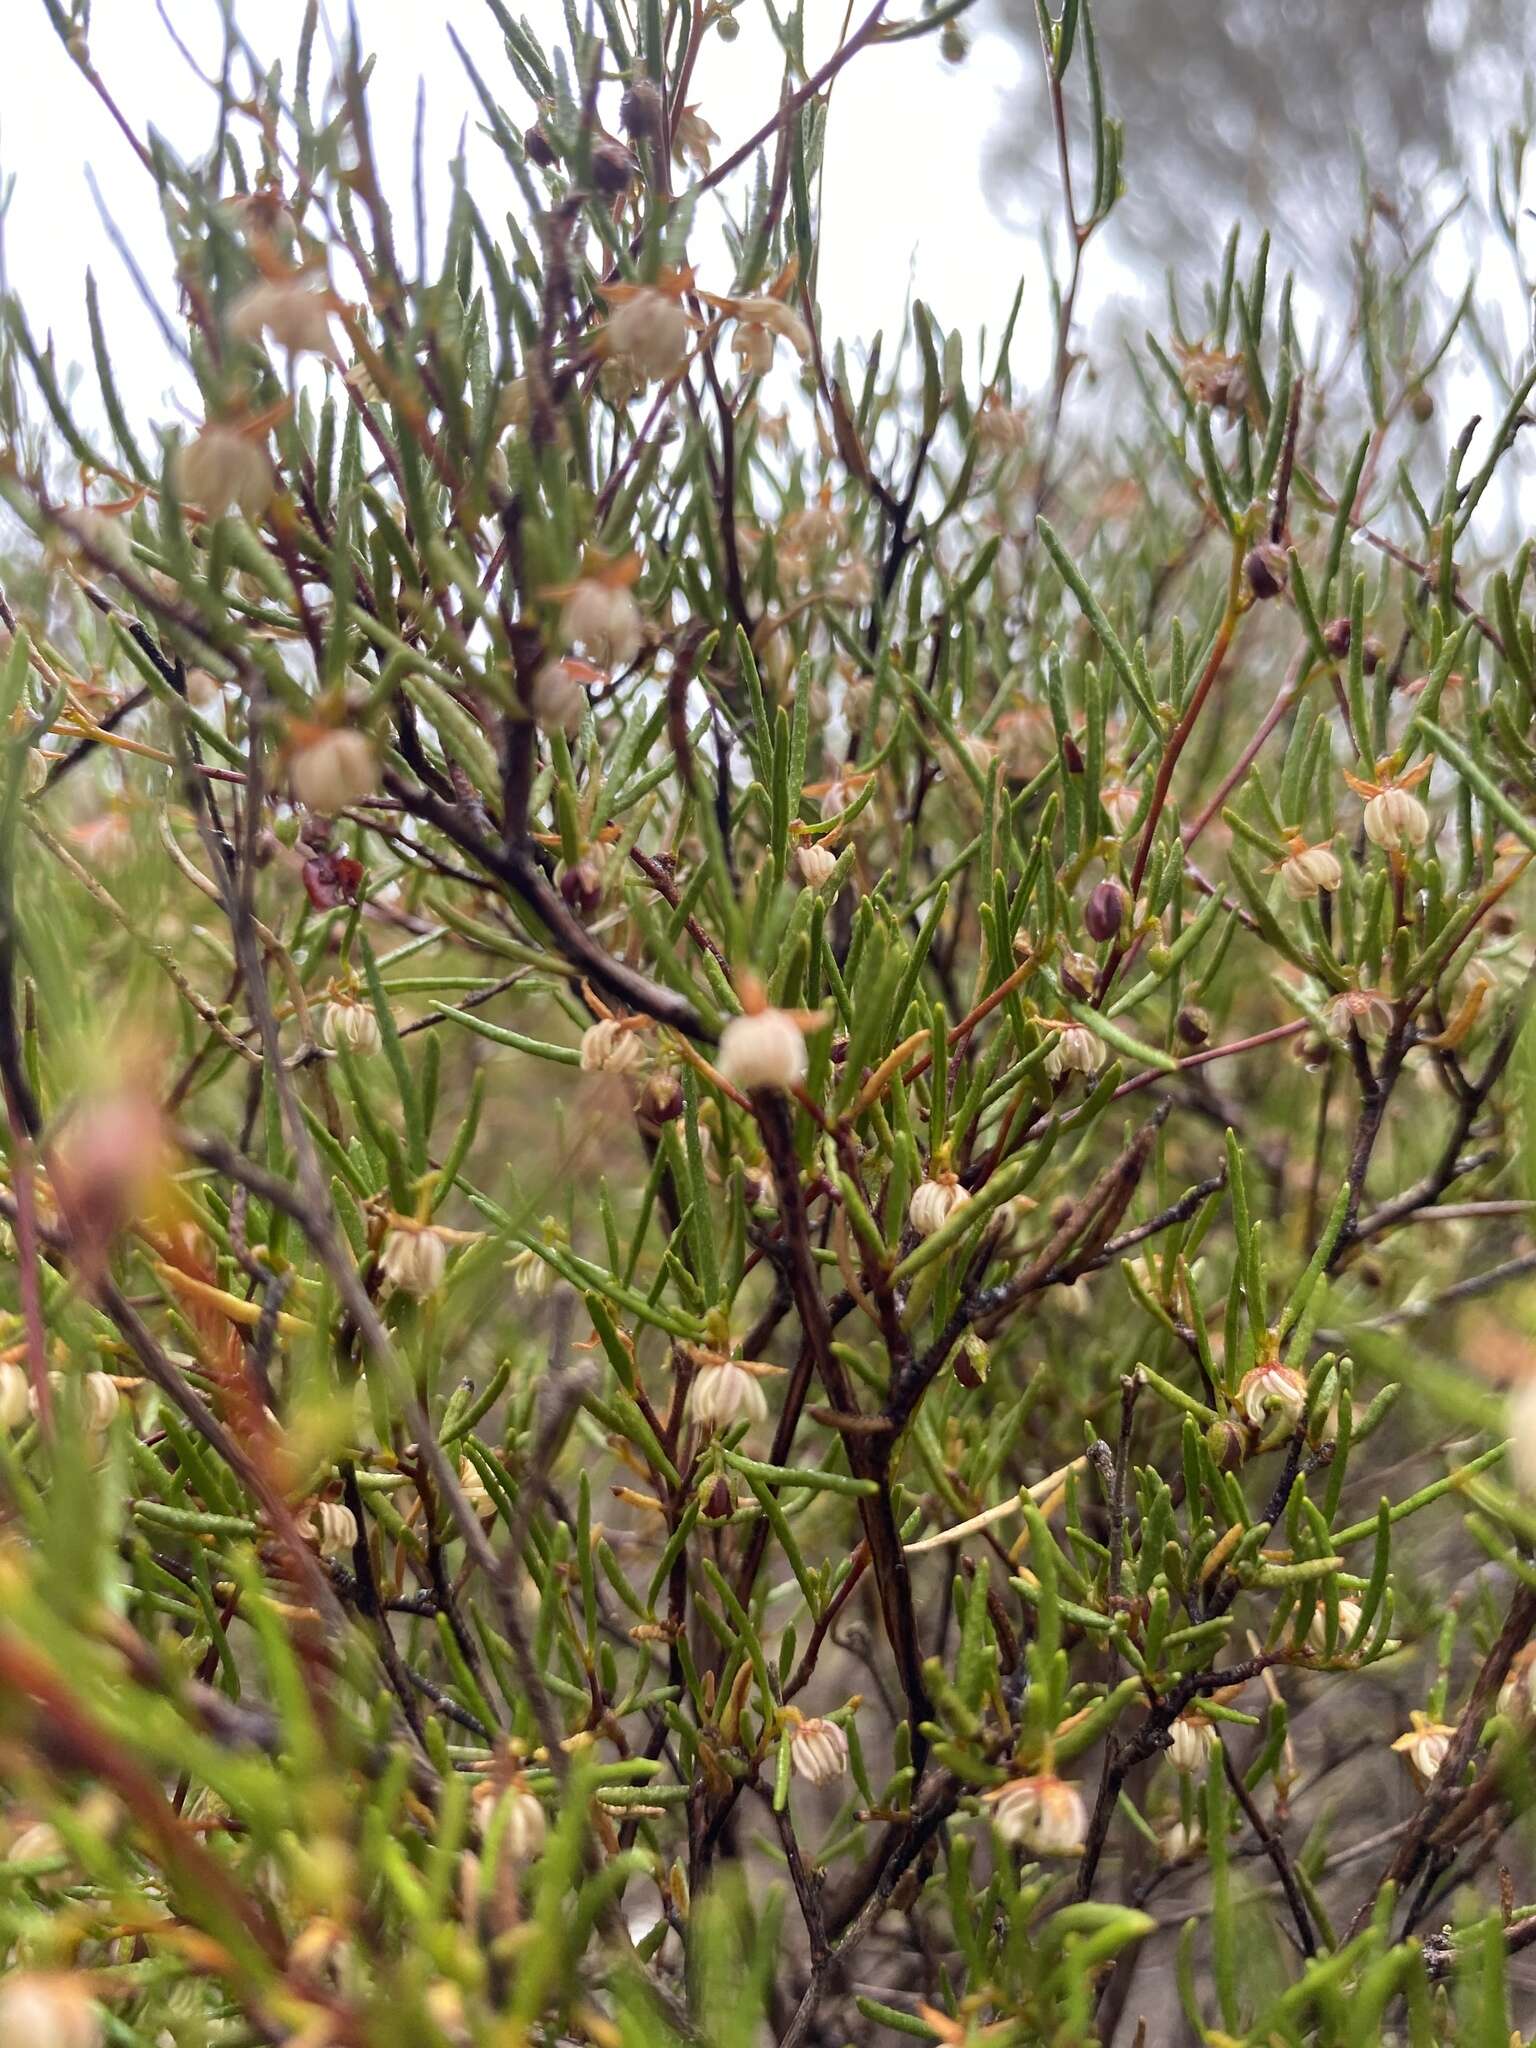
(723, 1391)
(934, 1202)
(1308, 870)
(1121, 803)
(1366, 1009)
(649, 331)
(1043, 1813)
(350, 1026)
(39, 1843)
(1395, 819)
(759, 323)
(764, 1050)
(1077, 1050)
(333, 768)
(533, 1277)
(608, 1048)
(414, 1258)
(223, 470)
(524, 1825)
(1425, 1745)
(1191, 1741)
(335, 1527)
(999, 427)
(818, 1751)
(15, 1396)
(1272, 1393)
(558, 697)
(816, 864)
(477, 1495)
(693, 138)
(294, 311)
(1350, 1612)
(1517, 1695)
(603, 618)
(1520, 1426)
(49, 2009)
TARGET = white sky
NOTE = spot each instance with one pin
(904, 197)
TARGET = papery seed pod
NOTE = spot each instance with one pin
(1191, 1740)
(1308, 870)
(477, 1495)
(816, 864)
(724, 1392)
(604, 619)
(765, 1050)
(532, 1277)
(650, 332)
(642, 110)
(1425, 1745)
(1421, 404)
(607, 1048)
(1372, 654)
(581, 888)
(1272, 1393)
(1395, 819)
(350, 1026)
(1267, 568)
(818, 1751)
(934, 1202)
(223, 470)
(414, 1260)
(48, 2009)
(1043, 1813)
(1350, 1612)
(333, 769)
(1105, 910)
(1077, 1050)
(1193, 1025)
(335, 1527)
(100, 1401)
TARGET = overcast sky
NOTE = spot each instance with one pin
(904, 181)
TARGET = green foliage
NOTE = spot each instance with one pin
(755, 1161)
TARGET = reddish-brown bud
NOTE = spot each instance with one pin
(1192, 1024)
(1336, 636)
(642, 111)
(613, 168)
(1267, 568)
(581, 887)
(1105, 910)
(538, 148)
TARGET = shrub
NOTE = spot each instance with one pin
(744, 1148)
